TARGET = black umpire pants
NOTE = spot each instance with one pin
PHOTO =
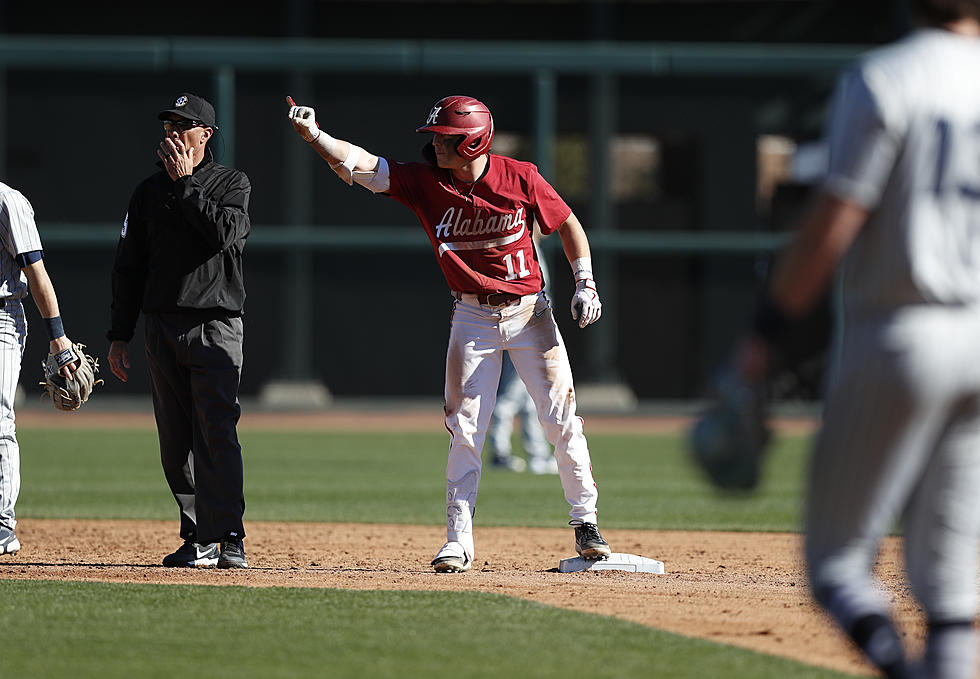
(195, 368)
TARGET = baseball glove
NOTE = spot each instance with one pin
(728, 439)
(70, 394)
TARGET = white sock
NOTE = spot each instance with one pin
(951, 651)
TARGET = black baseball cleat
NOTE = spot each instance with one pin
(193, 555)
(588, 541)
(232, 554)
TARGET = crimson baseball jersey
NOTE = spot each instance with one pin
(481, 233)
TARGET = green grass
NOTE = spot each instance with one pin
(82, 630)
(103, 631)
(644, 481)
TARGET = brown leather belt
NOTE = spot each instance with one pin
(498, 298)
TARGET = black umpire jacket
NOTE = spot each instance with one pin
(181, 246)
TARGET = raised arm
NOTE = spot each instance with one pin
(220, 217)
(349, 161)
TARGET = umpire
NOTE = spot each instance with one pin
(179, 261)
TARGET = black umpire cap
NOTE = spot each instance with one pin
(192, 107)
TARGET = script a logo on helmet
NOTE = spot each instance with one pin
(433, 115)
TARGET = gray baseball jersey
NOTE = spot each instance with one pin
(901, 431)
(18, 233)
(905, 142)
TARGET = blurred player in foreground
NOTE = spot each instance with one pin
(899, 210)
(478, 210)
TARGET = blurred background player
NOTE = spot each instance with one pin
(478, 210)
(900, 211)
(515, 403)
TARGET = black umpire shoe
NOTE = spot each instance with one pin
(232, 554)
(588, 541)
(193, 555)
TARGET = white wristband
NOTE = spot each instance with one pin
(582, 268)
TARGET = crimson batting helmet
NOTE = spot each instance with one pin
(462, 115)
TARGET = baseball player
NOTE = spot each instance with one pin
(477, 209)
(21, 266)
(513, 401)
(900, 210)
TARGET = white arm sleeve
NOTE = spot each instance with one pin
(375, 182)
(346, 168)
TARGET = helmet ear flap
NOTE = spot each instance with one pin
(429, 153)
(466, 144)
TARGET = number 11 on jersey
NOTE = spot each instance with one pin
(522, 270)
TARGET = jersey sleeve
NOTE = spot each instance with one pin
(865, 133)
(551, 210)
(219, 214)
(129, 274)
(19, 230)
(401, 179)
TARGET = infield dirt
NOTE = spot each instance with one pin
(745, 589)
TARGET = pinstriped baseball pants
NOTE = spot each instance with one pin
(900, 440)
(13, 334)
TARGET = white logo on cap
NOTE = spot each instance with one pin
(181, 101)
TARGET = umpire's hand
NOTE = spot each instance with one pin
(119, 359)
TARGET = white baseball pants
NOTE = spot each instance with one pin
(13, 334)
(478, 335)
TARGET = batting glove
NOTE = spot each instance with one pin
(304, 122)
(586, 307)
